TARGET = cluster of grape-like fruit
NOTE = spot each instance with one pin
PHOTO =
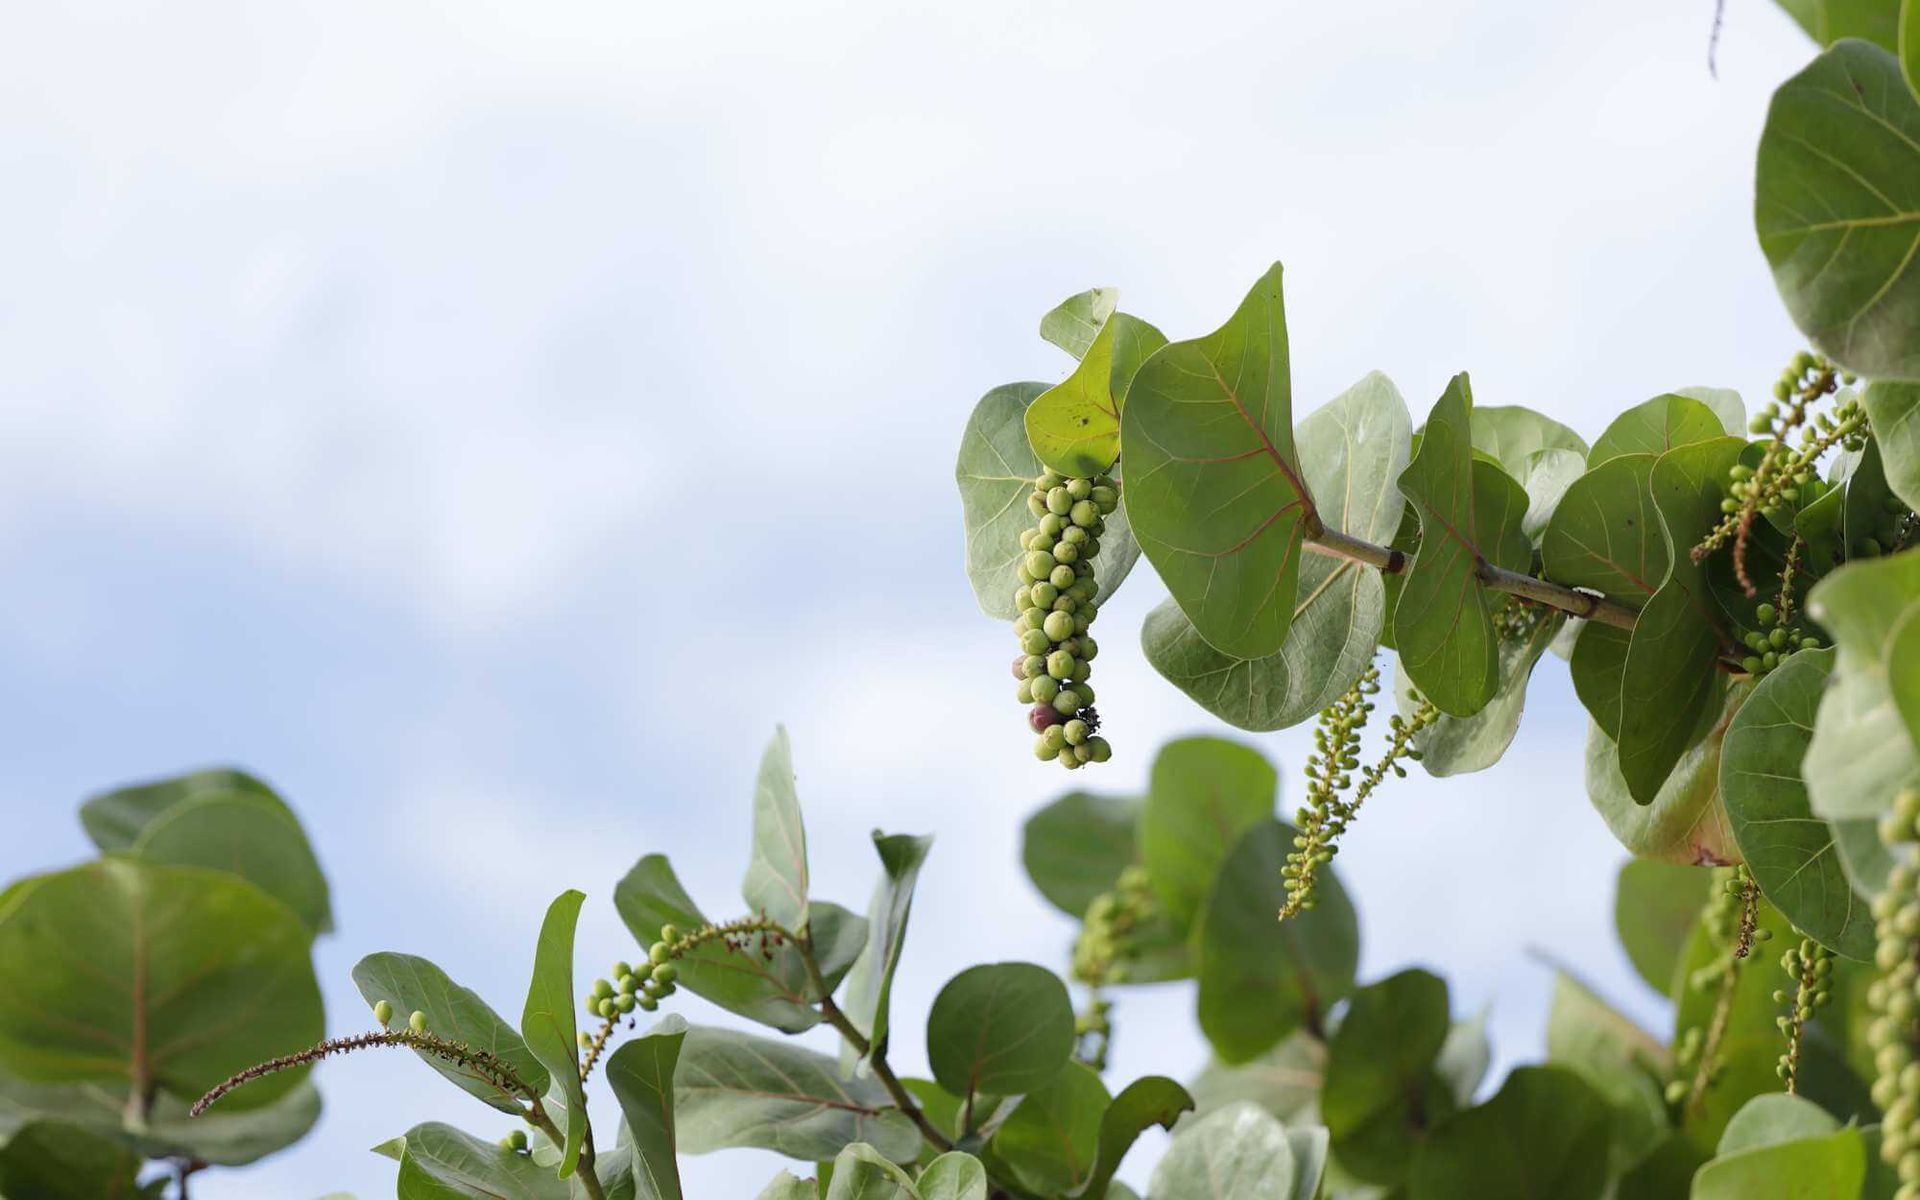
(1894, 997)
(1057, 601)
(1771, 648)
(1731, 918)
(1106, 942)
(630, 988)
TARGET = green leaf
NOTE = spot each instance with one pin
(1284, 1080)
(1623, 1063)
(1470, 515)
(1203, 793)
(870, 982)
(1381, 1090)
(732, 1089)
(1459, 745)
(1772, 1118)
(1908, 44)
(1077, 846)
(1001, 1029)
(1353, 449)
(776, 882)
(47, 1160)
(1835, 1165)
(1236, 1153)
(1049, 1140)
(547, 1022)
(862, 1173)
(1661, 424)
(1148, 1101)
(1827, 21)
(1542, 1137)
(114, 819)
(1790, 851)
(995, 472)
(1599, 660)
(1837, 207)
(456, 1013)
(1893, 410)
(220, 1137)
(153, 976)
(1074, 427)
(1863, 752)
(1671, 657)
(1867, 496)
(786, 1186)
(1513, 435)
(641, 1076)
(1725, 403)
(440, 1161)
(1605, 535)
(252, 837)
(1655, 906)
(953, 1176)
(1546, 477)
(1214, 488)
(1686, 823)
(1261, 978)
(775, 990)
(1465, 1057)
(1073, 323)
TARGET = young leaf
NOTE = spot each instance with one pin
(1661, 424)
(1655, 906)
(1202, 795)
(188, 976)
(1073, 323)
(641, 1076)
(1837, 207)
(1049, 1140)
(254, 837)
(1470, 515)
(1863, 750)
(1236, 1153)
(731, 1089)
(1214, 489)
(862, 1173)
(1261, 979)
(1546, 476)
(870, 982)
(440, 1162)
(774, 989)
(1001, 1029)
(1893, 409)
(1790, 851)
(953, 1176)
(1381, 1089)
(547, 1021)
(413, 984)
(1074, 427)
(1512, 435)
(1543, 1137)
(1142, 1104)
(1686, 822)
(1077, 846)
(1353, 449)
(776, 882)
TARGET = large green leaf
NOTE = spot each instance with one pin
(1074, 426)
(775, 989)
(1773, 1118)
(1146, 1102)
(47, 1160)
(1837, 208)
(1459, 745)
(220, 1137)
(953, 1176)
(1547, 476)
(1513, 435)
(1470, 514)
(1908, 34)
(1284, 1080)
(547, 1021)
(1001, 1029)
(412, 984)
(155, 977)
(1619, 1060)
(253, 837)
(440, 1161)
(1598, 661)
(1827, 21)
(1261, 978)
(776, 882)
(1214, 488)
(1382, 1094)
(1791, 852)
(1834, 1165)
(114, 819)
(870, 982)
(996, 470)
(732, 1089)
(1542, 1137)
(1353, 449)
(1686, 823)
(1661, 424)
(1893, 410)
(1605, 534)
(1863, 752)
(1235, 1153)
(861, 1172)
(1050, 1138)
(1077, 846)
(1655, 907)
(1202, 795)
(641, 1075)
(1073, 323)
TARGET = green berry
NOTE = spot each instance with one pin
(1063, 575)
(1067, 702)
(1037, 504)
(646, 1003)
(1751, 664)
(602, 989)
(1085, 514)
(1035, 641)
(624, 1002)
(1053, 739)
(1066, 552)
(627, 984)
(1038, 563)
(1058, 626)
(1765, 614)
(1759, 423)
(1106, 499)
(1089, 649)
(1052, 526)
(607, 1008)
(658, 953)
(1060, 664)
(666, 973)
(1059, 500)
(1045, 688)
(383, 1013)
(1034, 665)
(1040, 748)
(417, 1021)
(1076, 731)
(1023, 692)
(1042, 595)
(517, 1141)
(1778, 639)
(1023, 597)
(1100, 749)
(585, 1039)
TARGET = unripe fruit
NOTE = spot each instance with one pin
(1035, 641)
(1089, 649)
(1023, 597)
(1079, 489)
(647, 1003)
(1081, 755)
(1067, 702)
(518, 1140)
(658, 953)
(1043, 594)
(417, 1021)
(1065, 604)
(1058, 626)
(1052, 526)
(608, 1008)
(1066, 552)
(1059, 501)
(383, 1013)
(585, 1039)
(1040, 750)
(1036, 665)
(1043, 717)
(624, 1002)
(1078, 536)
(1106, 499)
(1045, 688)
(1036, 504)
(1085, 514)
(1101, 751)
(1076, 731)
(1020, 666)
(602, 989)
(666, 973)
(627, 984)
(1039, 564)
(1064, 575)
(669, 933)
(1023, 692)
(1060, 664)
(1053, 739)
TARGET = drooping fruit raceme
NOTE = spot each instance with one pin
(1057, 599)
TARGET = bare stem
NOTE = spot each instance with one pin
(589, 1182)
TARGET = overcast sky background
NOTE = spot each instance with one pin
(487, 421)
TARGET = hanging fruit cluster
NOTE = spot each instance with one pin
(1056, 600)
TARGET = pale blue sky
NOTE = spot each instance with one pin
(486, 422)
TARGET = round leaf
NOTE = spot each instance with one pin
(1202, 795)
(1542, 1137)
(1655, 906)
(255, 838)
(1001, 1029)
(1235, 1153)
